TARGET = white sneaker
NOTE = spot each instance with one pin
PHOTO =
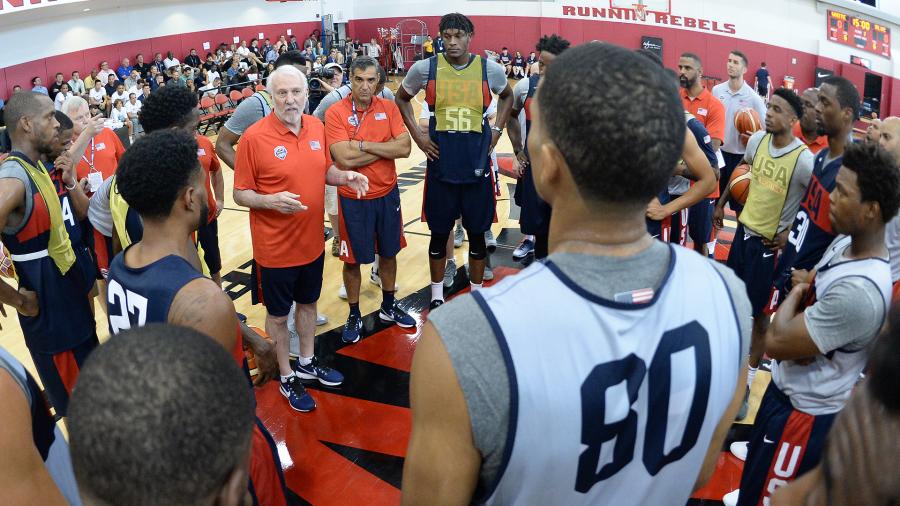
(458, 236)
(488, 272)
(490, 241)
(731, 498)
(321, 319)
(342, 293)
(449, 273)
(739, 450)
(374, 278)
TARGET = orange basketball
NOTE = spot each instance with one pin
(739, 183)
(746, 121)
(251, 359)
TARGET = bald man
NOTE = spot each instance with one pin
(873, 132)
(889, 138)
(806, 129)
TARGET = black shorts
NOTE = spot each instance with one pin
(535, 213)
(59, 372)
(208, 236)
(700, 221)
(754, 263)
(784, 444)
(445, 202)
(278, 288)
(370, 226)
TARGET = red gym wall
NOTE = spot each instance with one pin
(492, 32)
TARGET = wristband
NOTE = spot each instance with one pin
(497, 129)
(70, 188)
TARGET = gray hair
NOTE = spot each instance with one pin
(362, 63)
(72, 104)
(284, 70)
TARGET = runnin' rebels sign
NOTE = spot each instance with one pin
(657, 18)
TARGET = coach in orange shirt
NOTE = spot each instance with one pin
(280, 173)
(710, 112)
(366, 133)
(807, 130)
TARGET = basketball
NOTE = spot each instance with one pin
(747, 122)
(739, 183)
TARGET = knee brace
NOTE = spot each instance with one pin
(437, 247)
(477, 246)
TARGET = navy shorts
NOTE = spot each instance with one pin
(754, 263)
(370, 226)
(534, 218)
(445, 202)
(278, 288)
(208, 236)
(700, 221)
(679, 224)
(59, 372)
(784, 444)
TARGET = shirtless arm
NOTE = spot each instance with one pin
(225, 146)
(204, 307)
(715, 444)
(442, 462)
(12, 195)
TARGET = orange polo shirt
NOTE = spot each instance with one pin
(209, 160)
(103, 152)
(272, 159)
(820, 143)
(381, 122)
(708, 110)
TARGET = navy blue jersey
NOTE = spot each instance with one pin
(811, 232)
(143, 295)
(703, 140)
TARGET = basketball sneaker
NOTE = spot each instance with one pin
(458, 236)
(342, 292)
(745, 406)
(435, 304)
(490, 241)
(523, 249)
(321, 319)
(739, 450)
(335, 247)
(731, 498)
(396, 315)
(449, 273)
(352, 328)
(488, 272)
(297, 396)
(313, 371)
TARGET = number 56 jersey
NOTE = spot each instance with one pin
(612, 402)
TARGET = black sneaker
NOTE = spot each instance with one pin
(435, 304)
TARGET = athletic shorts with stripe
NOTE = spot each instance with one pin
(754, 263)
(370, 226)
(784, 444)
(59, 372)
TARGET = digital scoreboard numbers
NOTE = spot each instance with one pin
(860, 33)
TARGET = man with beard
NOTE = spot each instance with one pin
(710, 112)
(806, 129)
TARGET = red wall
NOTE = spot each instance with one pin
(180, 45)
(521, 34)
(491, 32)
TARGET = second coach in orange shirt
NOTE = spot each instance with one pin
(366, 133)
(280, 173)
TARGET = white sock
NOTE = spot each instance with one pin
(475, 286)
(437, 291)
(530, 238)
(284, 379)
(304, 360)
(751, 373)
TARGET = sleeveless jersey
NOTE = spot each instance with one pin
(679, 185)
(823, 387)
(811, 232)
(458, 99)
(634, 399)
(534, 217)
(769, 188)
(127, 222)
(65, 319)
(47, 437)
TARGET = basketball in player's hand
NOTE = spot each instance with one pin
(747, 122)
(739, 183)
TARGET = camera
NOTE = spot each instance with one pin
(322, 74)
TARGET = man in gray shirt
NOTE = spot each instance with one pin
(781, 167)
(507, 387)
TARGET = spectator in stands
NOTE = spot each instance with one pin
(121, 94)
(89, 80)
(170, 60)
(270, 67)
(213, 74)
(192, 86)
(192, 59)
(293, 45)
(230, 51)
(154, 73)
(240, 80)
(118, 117)
(124, 69)
(374, 49)
(159, 63)
(76, 85)
(145, 92)
(105, 72)
(131, 82)
(518, 65)
(132, 108)
(142, 67)
(505, 59)
(160, 81)
(266, 46)
(532, 59)
(428, 47)
(111, 84)
(319, 63)
(210, 61)
(319, 50)
(56, 85)
(38, 87)
(243, 50)
(16, 89)
(253, 75)
(98, 97)
(61, 96)
(232, 70)
(211, 89)
(309, 54)
(282, 43)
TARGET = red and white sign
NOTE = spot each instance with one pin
(10, 6)
(656, 12)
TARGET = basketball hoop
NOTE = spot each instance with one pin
(640, 11)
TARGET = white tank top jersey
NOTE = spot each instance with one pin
(612, 402)
(823, 387)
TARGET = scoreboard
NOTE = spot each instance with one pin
(859, 33)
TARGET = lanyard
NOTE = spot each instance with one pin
(356, 118)
(91, 161)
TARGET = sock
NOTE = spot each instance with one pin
(437, 291)
(354, 309)
(530, 238)
(387, 299)
(751, 373)
(475, 286)
(284, 379)
(304, 360)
